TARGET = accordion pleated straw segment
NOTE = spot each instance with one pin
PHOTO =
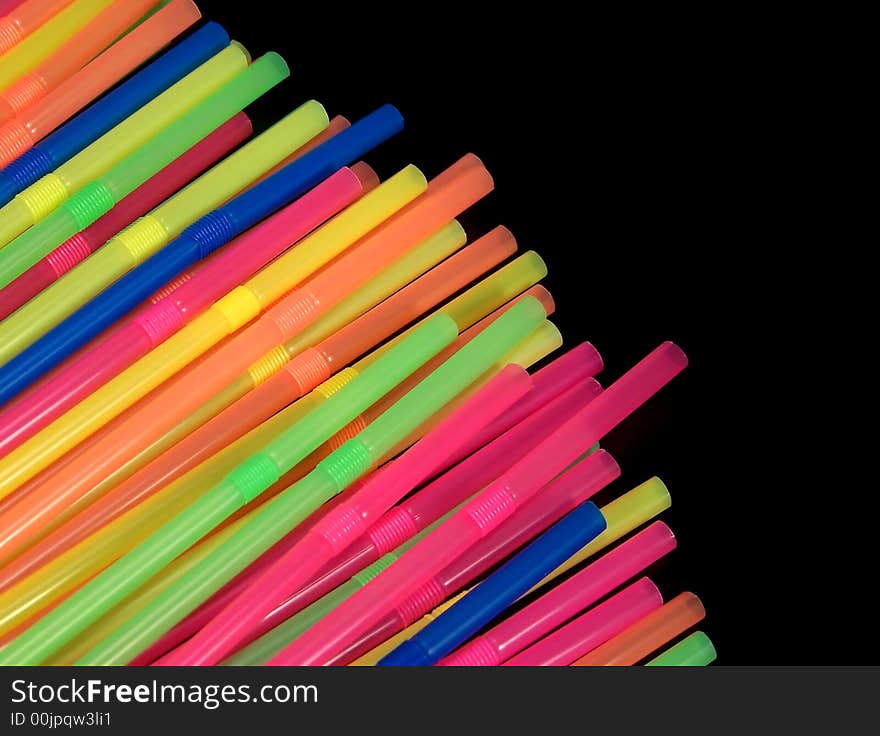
(260, 406)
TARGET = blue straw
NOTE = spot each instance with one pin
(498, 591)
(196, 242)
(111, 110)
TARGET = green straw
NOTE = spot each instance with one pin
(331, 476)
(240, 486)
(695, 650)
(99, 196)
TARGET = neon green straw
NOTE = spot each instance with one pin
(695, 650)
(98, 197)
(331, 476)
(240, 486)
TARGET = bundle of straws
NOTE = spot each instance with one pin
(258, 407)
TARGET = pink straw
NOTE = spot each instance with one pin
(346, 623)
(149, 194)
(554, 501)
(232, 265)
(410, 517)
(566, 600)
(591, 629)
(332, 534)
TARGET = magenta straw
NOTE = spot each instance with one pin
(558, 399)
(233, 264)
(480, 516)
(566, 600)
(578, 364)
(335, 531)
(558, 498)
(591, 629)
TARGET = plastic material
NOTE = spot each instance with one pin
(484, 513)
(239, 262)
(47, 38)
(648, 634)
(97, 197)
(238, 487)
(168, 220)
(565, 601)
(591, 629)
(695, 650)
(100, 117)
(336, 531)
(500, 589)
(352, 459)
(61, 70)
(563, 495)
(47, 193)
(458, 187)
(147, 196)
(24, 18)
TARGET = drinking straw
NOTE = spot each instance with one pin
(423, 508)
(648, 634)
(135, 338)
(571, 489)
(431, 251)
(341, 348)
(622, 516)
(7, 6)
(197, 442)
(500, 589)
(451, 192)
(695, 650)
(238, 262)
(46, 39)
(372, 657)
(244, 482)
(566, 600)
(489, 509)
(103, 115)
(333, 533)
(260, 650)
(46, 194)
(97, 197)
(75, 53)
(591, 629)
(149, 234)
(41, 101)
(206, 612)
(331, 475)
(233, 310)
(147, 196)
(25, 19)
(60, 576)
(96, 364)
(183, 564)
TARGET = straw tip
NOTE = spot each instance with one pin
(606, 461)
(365, 174)
(674, 353)
(241, 48)
(650, 588)
(541, 293)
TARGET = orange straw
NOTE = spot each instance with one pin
(447, 195)
(82, 47)
(648, 634)
(39, 117)
(25, 19)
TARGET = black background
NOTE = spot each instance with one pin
(640, 159)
